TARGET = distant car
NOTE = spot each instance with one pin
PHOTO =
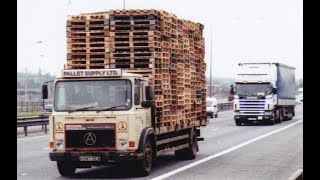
(299, 98)
(212, 107)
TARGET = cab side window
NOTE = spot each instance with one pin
(137, 92)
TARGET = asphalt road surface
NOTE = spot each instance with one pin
(228, 152)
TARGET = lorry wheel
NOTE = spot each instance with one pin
(216, 115)
(144, 165)
(190, 152)
(238, 123)
(271, 122)
(66, 168)
(290, 116)
(180, 154)
(279, 119)
(211, 116)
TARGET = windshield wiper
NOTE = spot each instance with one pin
(79, 109)
(112, 107)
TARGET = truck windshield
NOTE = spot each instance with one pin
(92, 95)
(253, 89)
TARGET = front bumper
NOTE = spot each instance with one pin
(105, 157)
(253, 117)
(268, 115)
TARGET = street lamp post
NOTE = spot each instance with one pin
(26, 85)
(210, 89)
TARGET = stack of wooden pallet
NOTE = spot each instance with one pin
(88, 41)
(157, 44)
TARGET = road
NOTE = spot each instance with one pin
(228, 152)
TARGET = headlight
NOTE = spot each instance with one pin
(123, 143)
(59, 143)
(267, 113)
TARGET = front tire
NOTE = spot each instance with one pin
(144, 166)
(66, 168)
(238, 123)
(279, 116)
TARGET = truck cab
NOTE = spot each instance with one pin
(98, 117)
(103, 116)
(264, 92)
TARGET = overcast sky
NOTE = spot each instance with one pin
(242, 30)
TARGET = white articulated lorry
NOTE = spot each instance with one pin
(264, 92)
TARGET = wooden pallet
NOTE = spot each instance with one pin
(177, 67)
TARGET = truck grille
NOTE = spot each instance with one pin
(86, 136)
(252, 106)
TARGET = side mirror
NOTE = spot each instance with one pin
(146, 104)
(149, 93)
(45, 91)
(231, 90)
(274, 90)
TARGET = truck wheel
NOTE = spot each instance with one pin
(216, 115)
(144, 165)
(190, 152)
(211, 116)
(271, 122)
(238, 123)
(290, 116)
(293, 113)
(279, 119)
(66, 168)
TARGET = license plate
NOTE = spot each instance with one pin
(252, 119)
(89, 158)
(259, 117)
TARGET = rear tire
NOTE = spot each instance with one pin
(66, 168)
(190, 152)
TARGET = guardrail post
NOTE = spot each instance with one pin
(25, 130)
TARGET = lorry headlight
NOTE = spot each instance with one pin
(267, 113)
(123, 143)
(59, 143)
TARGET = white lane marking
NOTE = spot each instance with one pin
(32, 137)
(222, 153)
(46, 148)
(296, 174)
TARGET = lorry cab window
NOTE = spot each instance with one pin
(74, 95)
(137, 92)
(247, 89)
